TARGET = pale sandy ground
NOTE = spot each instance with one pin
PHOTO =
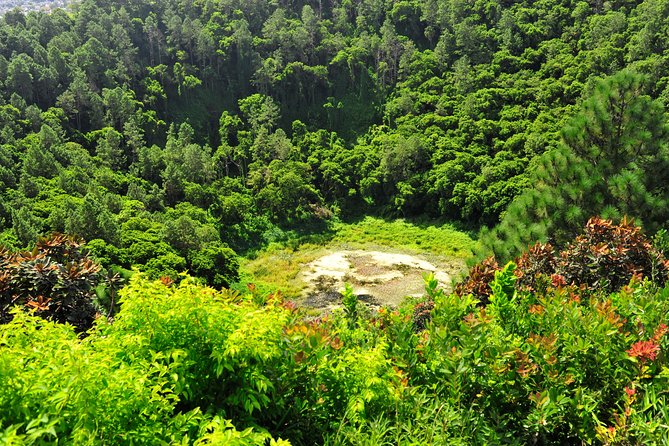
(380, 278)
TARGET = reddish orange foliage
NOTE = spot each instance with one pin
(644, 350)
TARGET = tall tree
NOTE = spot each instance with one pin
(613, 161)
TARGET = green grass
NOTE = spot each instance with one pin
(443, 240)
(278, 265)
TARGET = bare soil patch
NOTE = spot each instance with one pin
(378, 278)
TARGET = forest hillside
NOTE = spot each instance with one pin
(172, 135)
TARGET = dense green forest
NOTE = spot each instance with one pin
(172, 140)
(171, 135)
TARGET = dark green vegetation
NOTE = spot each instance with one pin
(553, 350)
(55, 279)
(172, 134)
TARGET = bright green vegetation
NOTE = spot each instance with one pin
(427, 238)
(612, 162)
(543, 361)
(146, 379)
(277, 266)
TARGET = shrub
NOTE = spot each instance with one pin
(605, 257)
(478, 281)
(422, 314)
(554, 357)
(56, 388)
(350, 302)
(422, 311)
(218, 264)
(252, 360)
(56, 280)
(551, 369)
(165, 265)
(537, 261)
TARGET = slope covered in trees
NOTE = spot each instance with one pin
(612, 161)
(155, 129)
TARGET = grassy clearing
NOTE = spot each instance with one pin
(442, 240)
(278, 266)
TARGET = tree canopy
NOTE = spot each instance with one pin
(248, 118)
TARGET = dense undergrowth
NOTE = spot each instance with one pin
(557, 359)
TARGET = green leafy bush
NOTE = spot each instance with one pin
(550, 368)
(545, 360)
(217, 264)
(194, 358)
(171, 355)
(165, 265)
(231, 346)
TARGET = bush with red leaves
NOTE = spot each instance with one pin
(605, 257)
(56, 280)
(539, 260)
(422, 314)
(478, 281)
